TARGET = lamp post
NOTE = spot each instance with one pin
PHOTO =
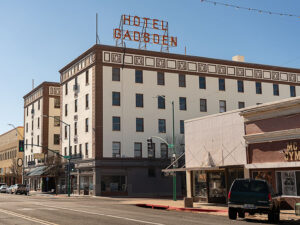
(66, 157)
(23, 166)
(172, 146)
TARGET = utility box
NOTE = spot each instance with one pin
(297, 209)
(188, 203)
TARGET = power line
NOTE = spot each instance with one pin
(261, 11)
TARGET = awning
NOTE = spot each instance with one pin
(190, 169)
(38, 171)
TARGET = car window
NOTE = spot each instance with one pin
(259, 186)
(250, 186)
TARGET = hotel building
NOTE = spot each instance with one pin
(115, 98)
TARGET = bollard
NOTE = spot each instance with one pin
(188, 202)
(297, 209)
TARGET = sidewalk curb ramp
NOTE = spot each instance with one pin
(166, 207)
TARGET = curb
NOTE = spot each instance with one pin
(166, 207)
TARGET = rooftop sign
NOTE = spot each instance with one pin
(137, 30)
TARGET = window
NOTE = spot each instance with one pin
(66, 89)
(202, 82)
(139, 100)
(160, 78)
(75, 105)
(139, 124)
(163, 150)
(26, 127)
(80, 150)
(116, 99)
(87, 77)
(181, 78)
(138, 76)
(26, 144)
(221, 84)
(161, 102)
(31, 143)
(116, 149)
(137, 150)
(38, 139)
(182, 126)
(39, 105)
(38, 126)
(222, 105)
(56, 103)
(56, 138)
(182, 103)
(75, 149)
(27, 111)
(241, 105)
(66, 109)
(162, 126)
(240, 85)
(66, 132)
(87, 125)
(203, 105)
(86, 149)
(116, 74)
(87, 101)
(116, 123)
(70, 150)
(56, 121)
(32, 125)
(293, 91)
(258, 88)
(258, 103)
(75, 128)
(151, 151)
(288, 182)
(275, 89)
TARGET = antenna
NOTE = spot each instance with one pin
(97, 37)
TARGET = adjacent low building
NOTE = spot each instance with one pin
(11, 160)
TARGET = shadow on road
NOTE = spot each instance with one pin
(282, 222)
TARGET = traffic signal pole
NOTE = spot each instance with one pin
(69, 159)
(174, 153)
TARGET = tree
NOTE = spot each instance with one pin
(54, 168)
(16, 171)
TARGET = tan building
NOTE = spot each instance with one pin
(10, 157)
(41, 133)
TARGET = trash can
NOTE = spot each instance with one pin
(297, 209)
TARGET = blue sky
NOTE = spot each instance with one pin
(39, 37)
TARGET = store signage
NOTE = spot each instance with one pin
(39, 155)
(159, 36)
(292, 152)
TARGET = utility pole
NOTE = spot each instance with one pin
(174, 153)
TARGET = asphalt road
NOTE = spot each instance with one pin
(25, 210)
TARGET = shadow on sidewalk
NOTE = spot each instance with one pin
(282, 222)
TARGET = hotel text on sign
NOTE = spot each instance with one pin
(158, 35)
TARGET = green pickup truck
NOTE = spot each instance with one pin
(253, 196)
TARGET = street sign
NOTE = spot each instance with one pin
(67, 156)
(170, 146)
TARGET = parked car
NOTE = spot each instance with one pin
(19, 189)
(8, 189)
(3, 188)
(253, 196)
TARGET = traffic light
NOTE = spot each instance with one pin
(149, 144)
(21, 145)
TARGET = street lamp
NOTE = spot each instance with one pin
(23, 166)
(172, 146)
(66, 157)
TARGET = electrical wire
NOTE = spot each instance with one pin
(261, 11)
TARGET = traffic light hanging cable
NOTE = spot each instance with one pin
(261, 11)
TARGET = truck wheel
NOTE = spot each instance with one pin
(277, 216)
(241, 214)
(232, 213)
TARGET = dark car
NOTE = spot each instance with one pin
(253, 196)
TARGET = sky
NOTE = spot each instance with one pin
(39, 37)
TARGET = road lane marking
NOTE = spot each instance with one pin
(27, 217)
(102, 214)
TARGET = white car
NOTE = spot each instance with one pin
(3, 188)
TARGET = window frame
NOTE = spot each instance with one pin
(182, 106)
(181, 80)
(137, 123)
(138, 76)
(222, 85)
(160, 78)
(162, 124)
(116, 125)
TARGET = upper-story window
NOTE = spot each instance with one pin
(116, 123)
(139, 124)
(161, 102)
(66, 89)
(202, 82)
(56, 138)
(181, 80)
(116, 149)
(276, 89)
(66, 109)
(137, 150)
(182, 103)
(87, 101)
(87, 77)
(203, 105)
(75, 128)
(258, 88)
(139, 100)
(163, 150)
(160, 78)
(138, 76)
(56, 103)
(241, 105)
(162, 126)
(39, 104)
(26, 127)
(181, 126)
(66, 132)
(75, 105)
(221, 84)
(56, 121)
(27, 111)
(115, 74)
(116, 99)
(87, 125)
(222, 106)
(240, 85)
(86, 150)
(292, 91)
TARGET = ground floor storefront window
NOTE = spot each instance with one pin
(288, 183)
(113, 184)
(199, 184)
(86, 184)
(216, 182)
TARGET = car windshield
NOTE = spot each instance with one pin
(250, 186)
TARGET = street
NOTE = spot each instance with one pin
(20, 209)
